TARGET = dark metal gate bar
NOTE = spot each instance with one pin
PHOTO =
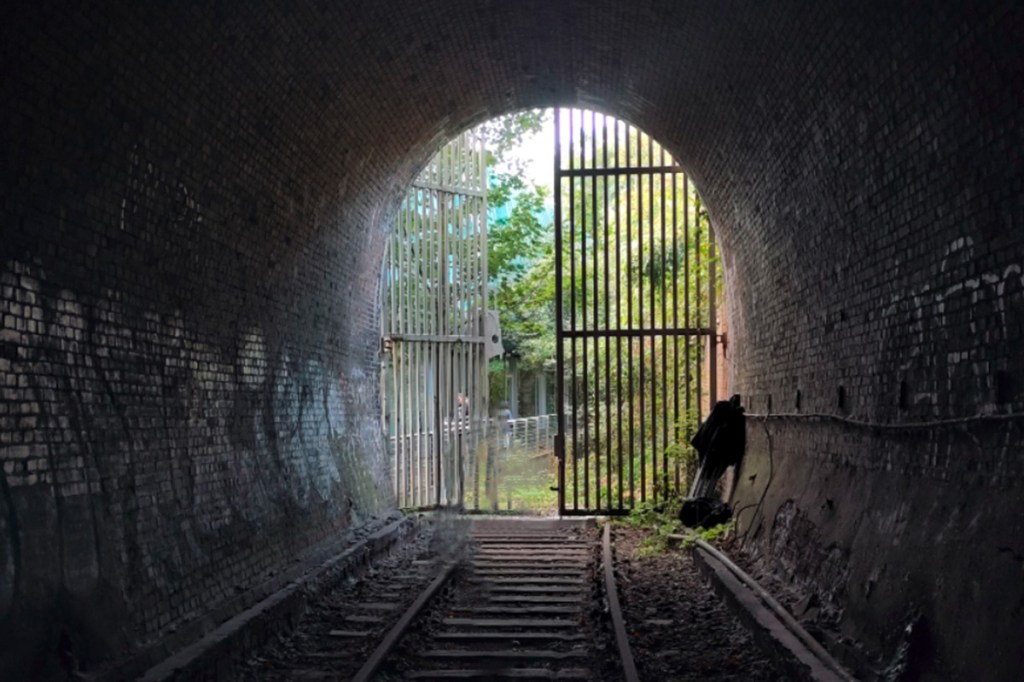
(635, 288)
(435, 300)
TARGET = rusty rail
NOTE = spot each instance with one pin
(618, 622)
(396, 633)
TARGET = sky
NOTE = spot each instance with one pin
(538, 153)
(538, 150)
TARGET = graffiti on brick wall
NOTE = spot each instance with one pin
(157, 426)
(938, 335)
(128, 441)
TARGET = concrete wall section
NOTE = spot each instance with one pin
(884, 529)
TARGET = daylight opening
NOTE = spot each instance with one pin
(550, 330)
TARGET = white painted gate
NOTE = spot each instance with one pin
(435, 302)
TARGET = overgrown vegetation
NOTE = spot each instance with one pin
(662, 522)
(662, 272)
(520, 248)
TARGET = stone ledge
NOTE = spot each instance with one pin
(768, 630)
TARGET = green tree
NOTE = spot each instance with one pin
(520, 255)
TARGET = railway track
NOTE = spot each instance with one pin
(524, 599)
(343, 627)
(526, 605)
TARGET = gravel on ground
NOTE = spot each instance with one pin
(679, 628)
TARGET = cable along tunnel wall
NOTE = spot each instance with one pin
(434, 374)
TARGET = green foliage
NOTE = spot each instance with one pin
(662, 520)
(506, 133)
(646, 514)
(527, 308)
(656, 543)
(496, 382)
(517, 239)
(533, 497)
(709, 535)
(520, 249)
(663, 534)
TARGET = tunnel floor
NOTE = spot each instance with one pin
(678, 628)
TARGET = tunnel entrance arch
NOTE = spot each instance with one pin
(637, 341)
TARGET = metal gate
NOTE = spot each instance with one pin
(635, 283)
(435, 301)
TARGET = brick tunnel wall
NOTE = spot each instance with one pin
(194, 207)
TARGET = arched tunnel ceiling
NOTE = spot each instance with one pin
(785, 116)
(743, 92)
(764, 104)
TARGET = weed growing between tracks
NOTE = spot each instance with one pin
(661, 522)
